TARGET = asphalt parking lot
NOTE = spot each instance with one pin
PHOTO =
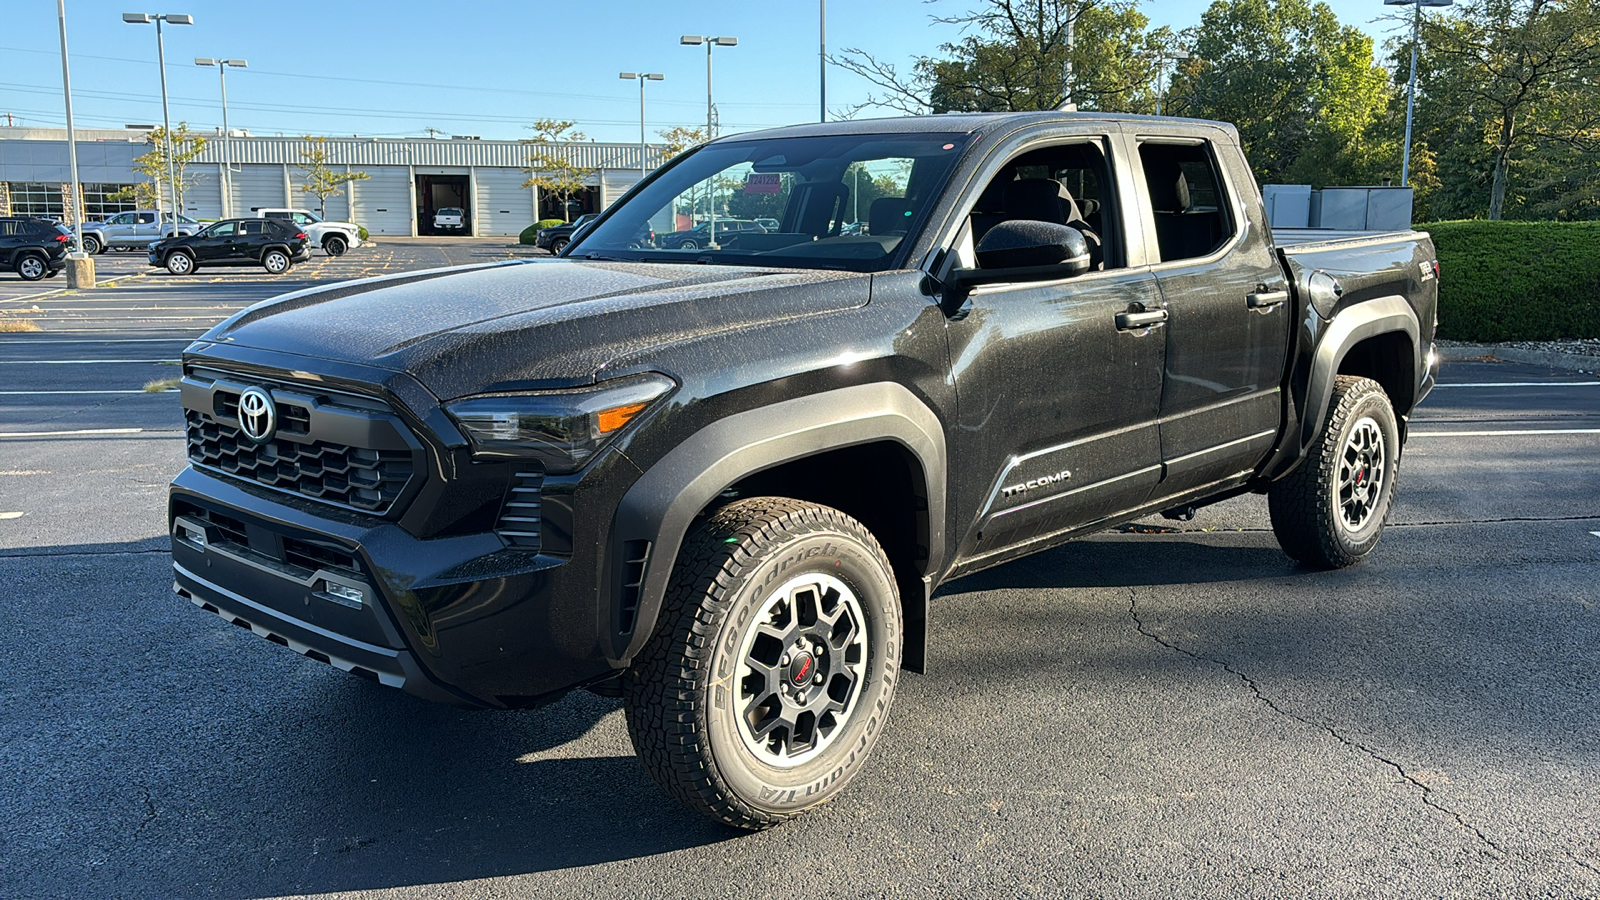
(1174, 709)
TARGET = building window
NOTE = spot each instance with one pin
(35, 198)
(97, 203)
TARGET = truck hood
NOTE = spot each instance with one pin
(528, 325)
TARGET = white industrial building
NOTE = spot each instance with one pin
(407, 178)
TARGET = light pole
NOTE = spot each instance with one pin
(694, 40)
(1174, 57)
(643, 77)
(227, 137)
(72, 138)
(166, 115)
(1411, 86)
(822, 51)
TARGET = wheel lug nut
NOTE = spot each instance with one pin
(784, 661)
(817, 680)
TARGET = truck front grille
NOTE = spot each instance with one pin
(345, 450)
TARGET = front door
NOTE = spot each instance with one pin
(216, 243)
(1228, 326)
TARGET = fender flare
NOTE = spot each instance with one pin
(1350, 326)
(661, 506)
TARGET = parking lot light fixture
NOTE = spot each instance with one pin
(72, 146)
(166, 114)
(642, 77)
(227, 147)
(711, 197)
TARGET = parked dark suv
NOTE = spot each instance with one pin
(33, 248)
(273, 244)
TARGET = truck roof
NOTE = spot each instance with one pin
(976, 123)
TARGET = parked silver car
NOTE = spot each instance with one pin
(133, 230)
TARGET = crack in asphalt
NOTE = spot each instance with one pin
(1255, 689)
(150, 813)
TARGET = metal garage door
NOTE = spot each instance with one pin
(383, 201)
(616, 182)
(504, 206)
(257, 186)
(338, 207)
(202, 199)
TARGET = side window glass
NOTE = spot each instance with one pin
(147, 218)
(1067, 184)
(7, 229)
(1193, 214)
(222, 229)
(302, 219)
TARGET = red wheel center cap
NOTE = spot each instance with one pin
(801, 668)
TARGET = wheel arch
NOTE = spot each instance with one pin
(1376, 339)
(780, 448)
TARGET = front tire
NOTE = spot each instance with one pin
(690, 244)
(771, 672)
(1331, 510)
(92, 245)
(558, 245)
(335, 246)
(276, 262)
(180, 263)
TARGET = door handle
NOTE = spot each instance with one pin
(1140, 318)
(1266, 300)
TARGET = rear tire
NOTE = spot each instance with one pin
(276, 262)
(772, 668)
(180, 263)
(32, 267)
(335, 246)
(1331, 510)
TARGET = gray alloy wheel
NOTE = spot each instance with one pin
(335, 245)
(92, 245)
(276, 262)
(773, 664)
(32, 267)
(558, 245)
(1330, 511)
(180, 263)
(690, 244)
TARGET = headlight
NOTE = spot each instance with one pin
(563, 429)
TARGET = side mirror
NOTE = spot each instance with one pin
(1027, 250)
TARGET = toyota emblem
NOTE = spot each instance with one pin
(258, 417)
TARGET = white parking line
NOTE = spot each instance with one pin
(81, 393)
(32, 434)
(111, 341)
(10, 515)
(1523, 384)
(76, 362)
(1431, 434)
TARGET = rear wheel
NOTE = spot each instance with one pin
(276, 262)
(335, 246)
(1331, 510)
(771, 672)
(32, 267)
(180, 263)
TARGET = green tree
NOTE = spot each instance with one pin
(678, 139)
(1516, 81)
(318, 179)
(1305, 93)
(186, 145)
(550, 165)
(1027, 55)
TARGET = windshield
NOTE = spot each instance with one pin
(783, 202)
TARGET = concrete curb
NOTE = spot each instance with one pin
(1552, 358)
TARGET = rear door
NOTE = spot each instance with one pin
(10, 239)
(252, 240)
(1228, 328)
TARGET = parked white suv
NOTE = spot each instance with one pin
(333, 237)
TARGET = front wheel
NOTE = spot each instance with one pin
(1331, 510)
(558, 245)
(690, 244)
(180, 263)
(335, 246)
(770, 674)
(276, 262)
(92, 245)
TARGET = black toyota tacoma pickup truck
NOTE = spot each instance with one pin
(723, 483)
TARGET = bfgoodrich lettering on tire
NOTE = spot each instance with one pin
(1330, 511)
(771, 671)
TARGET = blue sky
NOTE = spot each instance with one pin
(482, 67)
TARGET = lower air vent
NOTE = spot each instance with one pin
(635, 558)
(519, 518)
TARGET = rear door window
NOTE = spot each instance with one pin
(1193, 211)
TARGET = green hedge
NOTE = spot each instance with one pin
(528, 234)
(1518, 281)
